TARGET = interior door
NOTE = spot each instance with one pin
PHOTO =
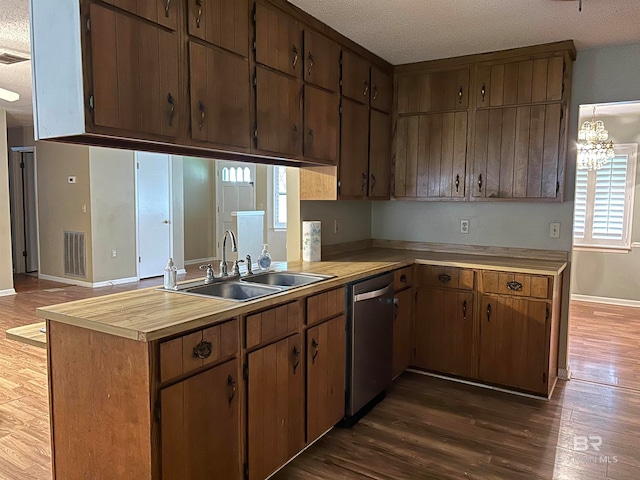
(235, 191)
(153, 194)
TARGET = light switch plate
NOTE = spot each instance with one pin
(554, 230)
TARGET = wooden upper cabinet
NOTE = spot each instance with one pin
(321, 125)
(354, 158)
(431, 155)
(379, 155)
(224, 23)
(134, 75)
(520, 82)
(381, 90)
(162, 12)
(433, 91)
(321, 61)
(516, 152)
(279, 104)
(220, 96)
(356, 83)
(278, 42)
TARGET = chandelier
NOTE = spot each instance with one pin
(594, 151)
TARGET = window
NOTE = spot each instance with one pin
(236, 175)
(604, 202)
(280, 197)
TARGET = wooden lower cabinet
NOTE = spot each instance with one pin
(200, 426)
(275, 405)
(444, 340)
(403, 331)
(514, 347)
(326, 371)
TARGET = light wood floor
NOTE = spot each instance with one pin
(425, 428)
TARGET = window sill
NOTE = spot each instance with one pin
(602, 249)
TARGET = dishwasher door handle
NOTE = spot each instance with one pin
(373, 294)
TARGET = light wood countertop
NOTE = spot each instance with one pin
(152, 314)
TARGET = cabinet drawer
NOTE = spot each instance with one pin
(325, 305)
(194, 350)
(523, 285)
(272, 323)
(446, 277)
(403, 278)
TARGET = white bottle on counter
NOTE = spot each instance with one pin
(264, 260)
(170, 275)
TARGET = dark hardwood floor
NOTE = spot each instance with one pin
(426, 428)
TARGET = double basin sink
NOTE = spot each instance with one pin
(250, 287)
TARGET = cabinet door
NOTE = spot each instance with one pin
(354, 149)
(520, 82)
(431, 155)
(516, 152)
(513, 342)
(444, 331)
(162, 12)
(379, 155)
(321, 125)
(200, 426)
(355, 77)
(403, 331)
(224, 23)
(134, 72)
(440, 91)
(381, 90)
(326, 366)
(278, 41)
(220, 95)
(321, 61)
(278, 113)
(275, 406)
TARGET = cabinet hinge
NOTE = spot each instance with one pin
(255, 80)
(245, 372)
(544, 377)
(339, 184)
(557, 187)
(24, 254)
(22, 165)
(245, 469)
(139, 259)
(255, 46)
(254, 15)
(92, 104)
(88, 24)
(340, 109)
(547, 313)
(157, 412)
(561, 113)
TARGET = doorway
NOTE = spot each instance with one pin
(24, 210)
(153, 213)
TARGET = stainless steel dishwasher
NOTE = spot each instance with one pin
(370, 344)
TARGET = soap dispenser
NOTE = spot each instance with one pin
(264, 260)
(170, 275)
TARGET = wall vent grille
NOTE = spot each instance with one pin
(10, 58)
(74, 254)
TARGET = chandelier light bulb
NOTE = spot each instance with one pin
(594, 151)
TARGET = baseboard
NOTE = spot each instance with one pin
(8, 291)
(564, 373)
(623, 302)
(201, 261)
(80, 283)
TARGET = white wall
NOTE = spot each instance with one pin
(354, 219)
(6, 262)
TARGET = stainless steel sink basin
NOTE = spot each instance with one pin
(285, 279)
(227, 290)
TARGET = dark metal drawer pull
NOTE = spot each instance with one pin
(464, 310)
(444, 278)
(314, 345)
(231, 385)
(488, 312)
(515, 286)
(403, 278)
(296, 358)
(203, 349)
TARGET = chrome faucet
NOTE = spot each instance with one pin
(224, 272)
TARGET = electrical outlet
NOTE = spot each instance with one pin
(464, 226)
(114, 253)
(554, 230)
(336, 226)
(84, 208)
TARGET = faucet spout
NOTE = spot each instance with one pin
(224, 271)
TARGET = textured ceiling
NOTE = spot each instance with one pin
(400, 31)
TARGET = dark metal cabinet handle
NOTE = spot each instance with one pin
(373, 182)
(314, 345)
(483, 91)
(231, 386)
(460, 91)
(310, 63)
(375, 92)
(294, 133)
(444, 278)
(199, 16)
(480, 183)
(296, 358)
(396, 307)
(295, 56)
(203, 350)
(457, 183)
(515, 286)
(172, 110)
(166, 8)
(488, 312)
(202, 114)
(403, 278)
(366, 89)
(364, 183)
(464, 310)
